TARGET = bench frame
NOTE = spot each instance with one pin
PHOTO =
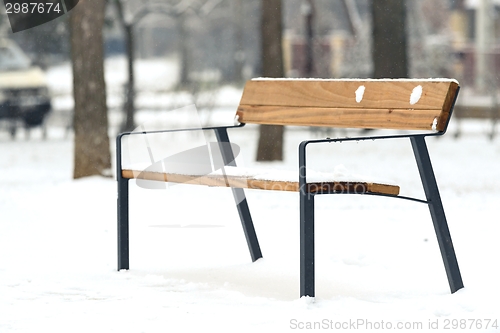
(433, 200)
(238, 193)
(307, 250)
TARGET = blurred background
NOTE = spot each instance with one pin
(162, 55)
(69, 86)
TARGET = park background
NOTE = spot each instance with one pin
(377, 260)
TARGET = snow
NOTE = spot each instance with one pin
(340, 173)
(353, 79)
(359, 94)
(377, 258)
(473, 4)
(416, 94)
(378, 261)
(434, 124)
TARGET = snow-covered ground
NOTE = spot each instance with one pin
(378, 262)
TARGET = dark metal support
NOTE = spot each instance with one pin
(307, 285)
(437, 212)
(246, 221)
(239, 197)
(306, 244)
(307, 260)
(123, 218)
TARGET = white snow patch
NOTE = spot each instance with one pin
(434, 124)
(359, 94)
(354, 79)
(339, 174)
(416, 94)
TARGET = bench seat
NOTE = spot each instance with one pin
(237, 177)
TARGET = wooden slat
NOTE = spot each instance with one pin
(378, 94)
(448, 106)
(387, 100)
(253, 183)
(340, 117)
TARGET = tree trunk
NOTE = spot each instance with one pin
(239, 50)
(270, 147)
(128, 30)
(184, 50)
(91, 151)
(129, 124)
(308, 9)
(389, 39)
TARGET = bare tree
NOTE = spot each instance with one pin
(128, 28)
(91, 151)
(270, 147)
(389, 50)
(309, 12)
(184, 49)
(239, 51)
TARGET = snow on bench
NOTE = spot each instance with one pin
(340, 181)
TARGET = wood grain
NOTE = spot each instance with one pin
(262, 184)
(340, 117)
(334, 103)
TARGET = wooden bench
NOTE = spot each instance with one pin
(419, 107)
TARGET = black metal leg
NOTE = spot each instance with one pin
(246, 222)
(122, 213)
(239, 197)
(306, 244)
(437, 213)
(123, 236)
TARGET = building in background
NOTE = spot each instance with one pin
(442, 39)
(475, 42)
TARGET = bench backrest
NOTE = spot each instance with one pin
(408, 104)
